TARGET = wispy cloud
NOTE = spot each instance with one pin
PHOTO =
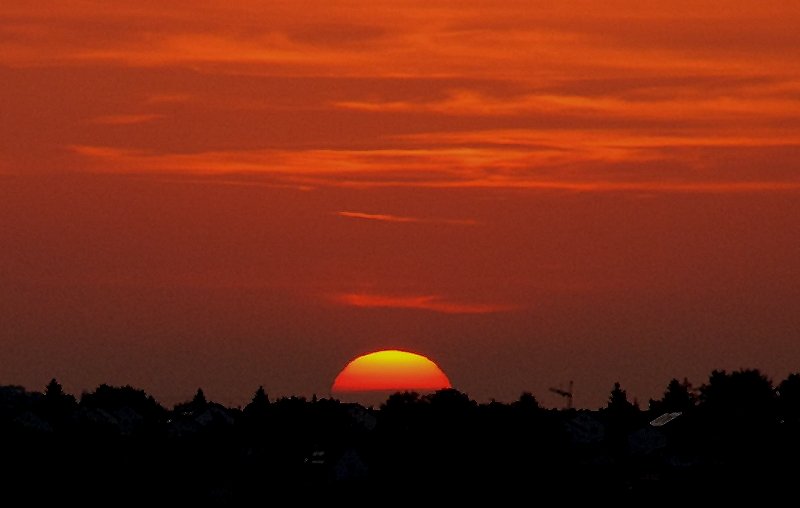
(418, 40)
(382, 217)
(628, 97)
(661, 103)
(433, 303)
(126, 119)
(524, 159)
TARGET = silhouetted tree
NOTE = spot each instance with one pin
(739, 425)
(789, 398)
(259, 406)
(399, 400)
(199, 399)
(53, 390)
(621, 418)
(55, 396)
(450, 400)
(679, 397)
(260, 398)
(618, 403)
(739, 415)
(197, 405)
(529, 431)
(56, 406)
(744, 395)
(291, 412)
(401, 411)
(527, 403)
(731, 442)
(117, 397)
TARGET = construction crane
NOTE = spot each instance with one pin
(565, 393)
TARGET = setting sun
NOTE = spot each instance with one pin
(390, 370)
(231, 193)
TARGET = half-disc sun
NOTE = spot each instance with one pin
(388, 371)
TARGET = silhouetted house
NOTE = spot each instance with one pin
(30, 422)
(128, 420)
(346, 465)
(652, 437)
(123, 420)
(585, 429)
(646, 441)
(14, 400)
(181, 426)
(11, 395)
(361, 417)
(98, 418)
(212, 416)
(350, 466)
(665, 442)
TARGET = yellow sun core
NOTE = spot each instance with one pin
(389, 370)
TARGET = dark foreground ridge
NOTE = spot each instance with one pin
(737, 435)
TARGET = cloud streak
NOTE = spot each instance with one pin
(125, 119)
(433, 303)
(626, 97)
(557, 160)
(382, 217)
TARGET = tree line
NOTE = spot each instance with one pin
(737, 433)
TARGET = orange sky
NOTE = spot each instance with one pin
(230, 194)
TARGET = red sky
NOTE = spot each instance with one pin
(243, 193)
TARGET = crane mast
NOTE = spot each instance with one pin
(567, 394)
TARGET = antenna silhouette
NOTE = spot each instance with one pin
(565, 393)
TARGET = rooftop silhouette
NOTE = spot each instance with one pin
(735, 434)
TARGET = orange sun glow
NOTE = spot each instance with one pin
(390, 370)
